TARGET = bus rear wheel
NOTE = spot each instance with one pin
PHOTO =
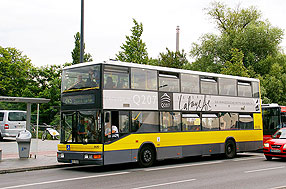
(146, 156)
(230, 151)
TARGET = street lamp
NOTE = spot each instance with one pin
(81, 31)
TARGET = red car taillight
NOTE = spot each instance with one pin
(6, 126)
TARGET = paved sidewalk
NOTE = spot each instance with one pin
(43, 156)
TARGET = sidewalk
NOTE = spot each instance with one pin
(45, 156)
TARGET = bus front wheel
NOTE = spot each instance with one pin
(230, 151)
(146, 156)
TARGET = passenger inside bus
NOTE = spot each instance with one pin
(81, 129)
(79, 84)
(109, 83)
(108, 133)
(93, 79)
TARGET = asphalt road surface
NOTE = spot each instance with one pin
(248, 170)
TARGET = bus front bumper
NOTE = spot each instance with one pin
(95, 158)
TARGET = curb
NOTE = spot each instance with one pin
(34, 168)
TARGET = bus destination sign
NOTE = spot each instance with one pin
(78, 99)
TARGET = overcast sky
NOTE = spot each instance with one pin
(44, 29)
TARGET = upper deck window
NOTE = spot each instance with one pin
(190, 83)
(227, 87)
(169, 82)
(244, 89)
(255, 89)
(116, 77)
(209, 85)
(87, 77)
(143, 79)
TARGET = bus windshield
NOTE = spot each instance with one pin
(271, 120)
(81, 127)
(75, 79)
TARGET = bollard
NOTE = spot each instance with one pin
(0, 154)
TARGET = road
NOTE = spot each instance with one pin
(249, 170)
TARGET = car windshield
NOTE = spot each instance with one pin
(87, 77)
(281, 134)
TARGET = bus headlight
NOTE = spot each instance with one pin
(284, 146)
(266, 145)
(61, 155)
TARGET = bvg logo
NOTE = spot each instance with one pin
(165, 101)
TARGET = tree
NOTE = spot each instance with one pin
(241, 29)
(134, 50)
(235, 65)
(14, 72)
(76, 51)
(173, 59)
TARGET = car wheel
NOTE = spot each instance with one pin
(230, 151)
(146, 156)
(268, 158)
(1, 138)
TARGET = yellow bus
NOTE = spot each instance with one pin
(117, 112)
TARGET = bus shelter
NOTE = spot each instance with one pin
(28, 101)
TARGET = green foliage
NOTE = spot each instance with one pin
(246, 46)
(172, 59)
(235, 65)
(241, 29)
(134, 50)
(14, 72)
(76, 51)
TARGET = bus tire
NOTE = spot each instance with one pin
(268, 158)
(146, 156)
(230, 149)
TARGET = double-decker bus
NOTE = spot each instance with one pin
(274, 118)
(115, 112)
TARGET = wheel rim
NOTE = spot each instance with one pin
(147, 156)
(230, 149)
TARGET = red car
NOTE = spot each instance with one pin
(276, 146)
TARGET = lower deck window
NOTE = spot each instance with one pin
(228, 121)
(210, 122)
(170, 121)
(191, 122)
(143, 121)
(246, 122)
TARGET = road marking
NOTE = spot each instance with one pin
(179, 166)
(267, 169)
(279, 187)
(163, 184)
(244, 159)
(64, 180)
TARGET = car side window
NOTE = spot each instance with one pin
(1, 116)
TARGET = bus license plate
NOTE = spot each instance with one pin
(75, 161)
(275, 151)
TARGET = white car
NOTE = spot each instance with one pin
(12, 122)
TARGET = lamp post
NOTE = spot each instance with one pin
(81, 32)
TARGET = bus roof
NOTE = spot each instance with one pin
(273, 105)
(159, 68)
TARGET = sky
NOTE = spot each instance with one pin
(44, 30)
